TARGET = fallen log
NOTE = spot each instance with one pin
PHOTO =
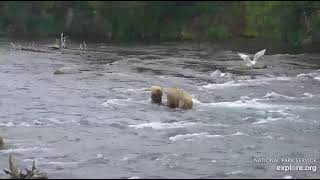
(27, 48)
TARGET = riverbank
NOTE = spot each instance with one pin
(248, 45)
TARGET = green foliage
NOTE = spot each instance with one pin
(164, 20)
(290, 21)
(218, 33)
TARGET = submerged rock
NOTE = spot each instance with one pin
(307, 41)
(305, 77)
(54, 46)
(215, 74)
(257, 66)
(260, 66)
(67, 70)
(221, 77)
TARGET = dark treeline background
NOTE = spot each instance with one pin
(294, 22)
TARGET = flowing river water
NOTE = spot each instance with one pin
(100, 123)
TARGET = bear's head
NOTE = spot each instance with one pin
(156, 94)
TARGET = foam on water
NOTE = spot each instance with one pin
(282, 112)
(134, 90)
(56, 163)
(55, 121)
(308, 95)
(250, 82)
(194, 135)
(235, 172)
(244, 104)
(117, 74)
(36, 122)
(268, 137)
(219, 125)
(281, 78)
(160, 125)
(287, 177)
(246, 118)
(312, 74)
(196, 101)
(99, 156)
(21, 150)
(303, 74)
(239, 134)
(134, 177)
(118, 102)
(270, 119)
(223, 85)
(111, 103)
(276, 95)
(24, 124)
(218, 74)
(125, 158)
(9, 124)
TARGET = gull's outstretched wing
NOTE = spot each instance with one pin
(258, 55)
(245, 58)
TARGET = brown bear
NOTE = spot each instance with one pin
(176, 98)
(156, 94)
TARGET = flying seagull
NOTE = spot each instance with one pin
(257, 56)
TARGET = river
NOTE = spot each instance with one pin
(100, 123)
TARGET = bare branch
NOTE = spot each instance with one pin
(34, 173)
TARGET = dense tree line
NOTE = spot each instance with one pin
(289, 21)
